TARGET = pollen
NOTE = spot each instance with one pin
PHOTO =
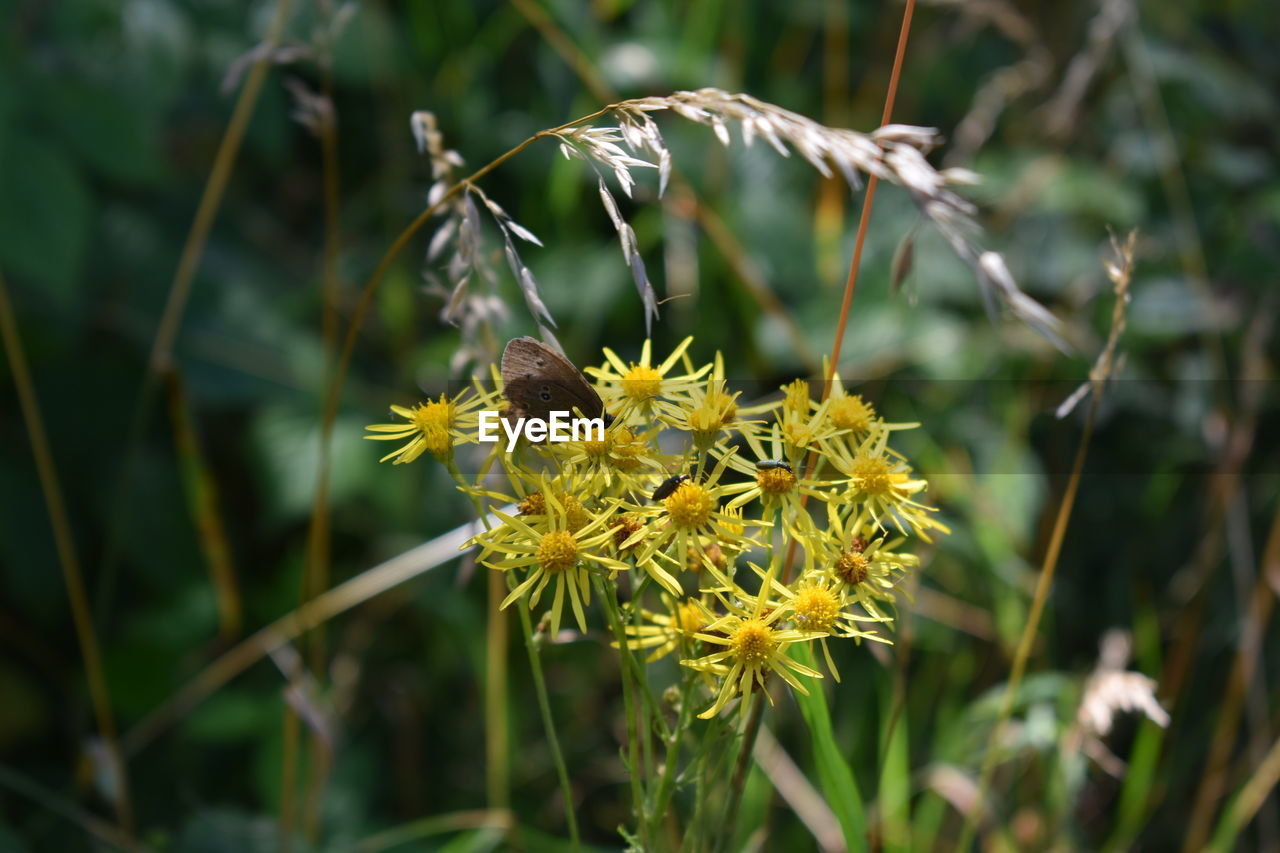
(641, 383)
(851, 412)
(624, 528)
(776, 481)
(852, 567)
(433, 415)
(575, 515)
(815, 608)
(627, 448)
(690, 505)
(558, 551)
(534, 504)
(752, 642)
(797, 433)
(874, 473)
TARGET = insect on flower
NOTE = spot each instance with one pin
(668, 486)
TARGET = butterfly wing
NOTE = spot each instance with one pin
(537, 380)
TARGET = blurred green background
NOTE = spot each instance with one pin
(1080, 117)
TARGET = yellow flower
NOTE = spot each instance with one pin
(818, 603)
(681, 518)
(666, 632)
(752, 646)
(554, 553)
(881, 481)
(802, 421)
(777, 481)
(622, 463)
(852, 552)
(642, 386)
(854, 416)
(435, 426)
(712, 413)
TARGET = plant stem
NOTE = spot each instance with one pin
(667, 783)
(68, 557)
(609, 593)
(548, 724)
(851, 282)
(739, 781)
(496, 669)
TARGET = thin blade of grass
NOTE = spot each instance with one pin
(100, 829)
(1140, 777)
(1244, 806)
(202, 497)
(73, 577)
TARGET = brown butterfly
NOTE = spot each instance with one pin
(537, 380)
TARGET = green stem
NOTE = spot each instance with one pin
(609, 594)
(739, 781)
(667, 784)
(544, 706)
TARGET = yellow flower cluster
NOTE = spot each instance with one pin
(756, 527)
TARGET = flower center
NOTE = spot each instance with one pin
(575, 515)
(716, 410)
(597, 449)
(796, 402)
(852, 567)
(752, 642)
(624, 528)
(626, 449)
(815, 608)
(690, 505)
(797, 433)
(874, 473)
(558, 551)
(433, 415)
(851, 413)
(776, 481)
(641, 383)
(534, 504)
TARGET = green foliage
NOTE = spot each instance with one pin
(111, 114)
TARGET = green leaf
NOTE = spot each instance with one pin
(44, 215)
(895, 771)
(834, 775)
(103, 129)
